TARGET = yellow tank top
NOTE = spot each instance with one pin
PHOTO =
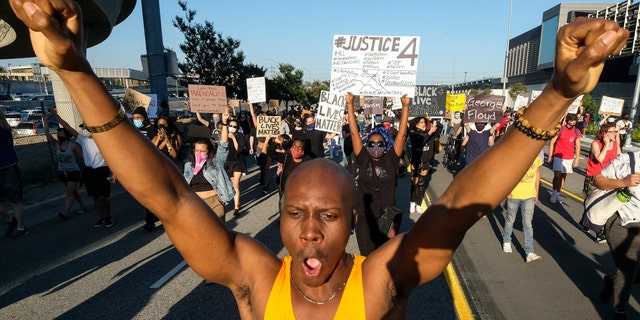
(351, 305)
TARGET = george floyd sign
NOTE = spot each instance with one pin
(484, 108)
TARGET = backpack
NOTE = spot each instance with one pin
(600, 205)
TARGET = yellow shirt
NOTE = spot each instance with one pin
(526, 188)
(351, 305)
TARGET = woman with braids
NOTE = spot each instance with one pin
(377, 168)
(422, 138)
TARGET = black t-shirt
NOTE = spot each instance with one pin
(348, 144)
(374, 193)
(313, 143)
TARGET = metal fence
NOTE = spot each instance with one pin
(36, 157)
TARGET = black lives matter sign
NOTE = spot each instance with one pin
(268, 126)
(429, 100)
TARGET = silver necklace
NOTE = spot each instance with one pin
(333, 295)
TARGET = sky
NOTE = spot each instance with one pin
(460, 40)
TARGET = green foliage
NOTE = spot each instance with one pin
(487, 90)
(592, 129)
(287, 84)
(312, 92)
(211, 58)
(589, 105)
(635, 134)
(517, 89)
(473, 92)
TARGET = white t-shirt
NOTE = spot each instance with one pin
(619, 168)
(621, 124)
(92, 156)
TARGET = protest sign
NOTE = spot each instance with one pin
(330, 112)
(152, 110)
(234, 103)
(256, 90)
(535, 94)
(268, 126)
(611, 106)
(207, 98)
(429, 100)
(376, 66)
(484, 108)
(456, 102)
(575, 105)
(521, 101)
(133, 99)
(274, 104)
(373, 105)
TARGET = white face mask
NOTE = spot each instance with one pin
(233, 130)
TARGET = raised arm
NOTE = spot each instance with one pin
(56, 36)
(63, 123)
(353, 125)
(401, 137)
(45, 124)
(202, 120)
(424, 252)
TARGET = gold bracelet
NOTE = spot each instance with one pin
(527, 128)
(109, 124)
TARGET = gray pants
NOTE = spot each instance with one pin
(624, 244)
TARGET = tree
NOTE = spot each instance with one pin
(210, 57)
(312, 92)
(473, 92)
(589, 105)
(487, 90)
(516, 89)
(287, 84)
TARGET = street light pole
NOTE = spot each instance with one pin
(506, 54)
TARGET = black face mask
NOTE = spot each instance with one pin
(286, 145)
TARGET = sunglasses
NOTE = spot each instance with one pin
(372, 144)
(233, 126)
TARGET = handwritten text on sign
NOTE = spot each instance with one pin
(429, 100)
(268, 126)
(330, 112)
(484, 108)
(612, 106)
(256, 91)
(373, 105)
(133, 99)
(374, 65)
(206, 98)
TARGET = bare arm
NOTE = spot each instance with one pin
(353, 125)
(53, 141)
(63, 123)
(56, 35)
(576, 156)
(424, 252)
(202, 120)
(398, 143)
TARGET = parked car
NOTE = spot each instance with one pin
(6, 97)
(29, 128)
(14, 118)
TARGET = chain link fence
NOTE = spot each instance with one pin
(37, 161)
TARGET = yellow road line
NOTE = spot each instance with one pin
(459, 299)
(572, 195)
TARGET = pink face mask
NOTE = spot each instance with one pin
(201, 158)
(297, 154)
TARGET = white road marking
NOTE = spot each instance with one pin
(169, 275)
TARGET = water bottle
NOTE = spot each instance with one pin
(623, 195)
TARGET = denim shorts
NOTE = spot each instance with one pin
(11, 183)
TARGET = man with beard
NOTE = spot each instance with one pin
(564, 153)
(319, 280)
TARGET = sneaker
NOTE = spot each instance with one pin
(506, 247)
(419, 209)
(412, 207)
(601, 238)
(19, 233)
(554, 198)
(99, 224)
(11, 225)
(108, 223)
(531, 257)
(150, 226)
(63, 216)
(607, 289)
(265, 191)
(82, 210)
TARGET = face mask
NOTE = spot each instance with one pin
(162, 126)
(137, 123)
(376, 152)
(297, 123)
(297, 154)
(457, 116)
(233, 130)
(377, 118)
(201, 157)
(286, 145)
(311, 126)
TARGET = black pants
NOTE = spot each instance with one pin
(624, 244)
(264, 163)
